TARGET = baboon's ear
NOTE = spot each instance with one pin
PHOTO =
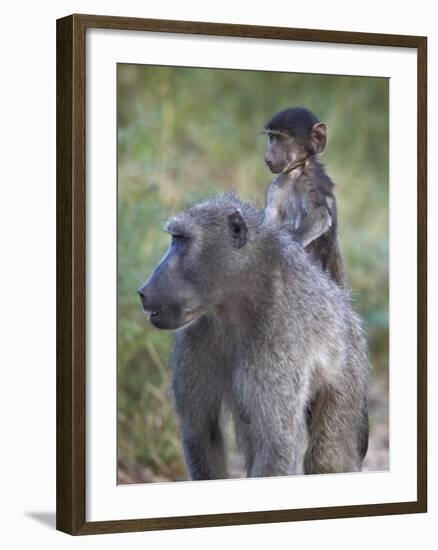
(318, 137)
(238, 229)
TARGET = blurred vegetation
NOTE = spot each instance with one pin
(184, 134)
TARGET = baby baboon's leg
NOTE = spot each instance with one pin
(336, 266)
(316, 223)
(337, 431)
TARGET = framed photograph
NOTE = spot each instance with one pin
(241, 274)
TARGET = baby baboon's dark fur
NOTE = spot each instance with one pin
(302, 195)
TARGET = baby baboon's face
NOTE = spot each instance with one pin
(281, 151)
(293, 134)
(200, 267)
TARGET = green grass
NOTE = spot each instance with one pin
(184, 134)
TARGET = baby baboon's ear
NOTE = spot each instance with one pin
(318, 137)
(238, 229)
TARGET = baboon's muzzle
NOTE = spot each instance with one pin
(162, 314)
(273, 166)
(162, 298)
(166, 316)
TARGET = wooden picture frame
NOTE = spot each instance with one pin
(71, 273)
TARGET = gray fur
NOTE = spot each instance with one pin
(265, 332)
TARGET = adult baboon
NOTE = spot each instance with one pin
(264, 331)
(302, 195)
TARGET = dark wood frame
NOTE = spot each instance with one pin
(71, 266)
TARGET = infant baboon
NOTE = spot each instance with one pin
(263, 331)
(302, 195)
